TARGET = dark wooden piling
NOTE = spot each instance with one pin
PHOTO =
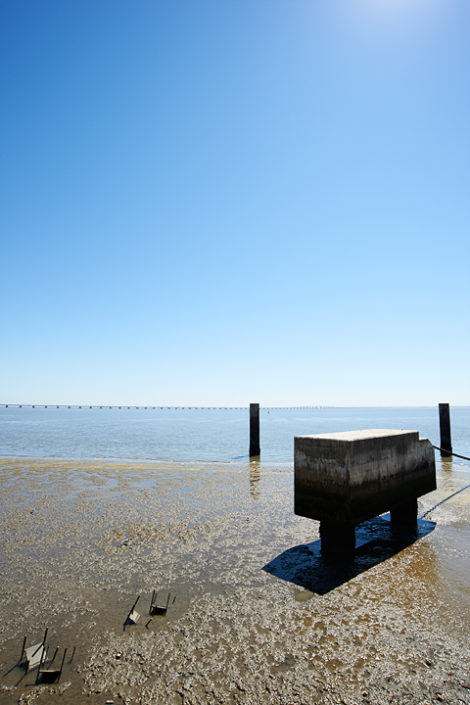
(254, 430)
(444, 424)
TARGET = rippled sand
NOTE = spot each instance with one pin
(258, 617)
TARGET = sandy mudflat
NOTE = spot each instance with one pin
(258, 617)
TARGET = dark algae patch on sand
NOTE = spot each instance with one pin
(250, 624)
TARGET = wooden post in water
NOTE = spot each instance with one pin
(254, 430)
(444, 424)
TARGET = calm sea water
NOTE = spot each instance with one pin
(200, 434)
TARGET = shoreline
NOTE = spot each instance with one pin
(241, 461)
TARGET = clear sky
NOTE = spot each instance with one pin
(219, 202)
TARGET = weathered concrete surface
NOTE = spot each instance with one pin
(348, 477)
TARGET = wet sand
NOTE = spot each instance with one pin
(258, 617)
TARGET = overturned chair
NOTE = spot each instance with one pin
(343, 479)
(37, 656)
(160, 607)
(47, 672)
(33, 656)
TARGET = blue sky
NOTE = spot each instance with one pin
(224, 202)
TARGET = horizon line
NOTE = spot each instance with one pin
(154, 407)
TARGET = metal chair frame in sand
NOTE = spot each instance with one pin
(33, 655)
(133, 616)
(155, 608)
(47, 674)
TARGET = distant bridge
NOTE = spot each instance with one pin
(149, 407)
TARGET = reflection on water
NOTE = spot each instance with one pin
(255, 474)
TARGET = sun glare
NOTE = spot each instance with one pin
(389, 20)
(397, 9)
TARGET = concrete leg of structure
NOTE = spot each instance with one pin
(338, 539)
(405, 514)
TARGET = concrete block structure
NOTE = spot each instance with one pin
(342, 479)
